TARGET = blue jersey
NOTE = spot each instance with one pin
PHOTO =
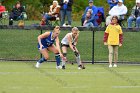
(48, 41)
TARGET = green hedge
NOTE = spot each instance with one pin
(38, 6)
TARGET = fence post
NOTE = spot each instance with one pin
(92, 45)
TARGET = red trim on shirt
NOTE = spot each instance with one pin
(121, 38)
(105, 37)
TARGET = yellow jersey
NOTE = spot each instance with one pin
(113, 34)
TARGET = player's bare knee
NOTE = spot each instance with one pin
(46, 57)
(56, 52)
(76, 54)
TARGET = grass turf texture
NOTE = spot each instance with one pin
(22, 77)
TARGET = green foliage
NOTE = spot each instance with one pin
(35, 8)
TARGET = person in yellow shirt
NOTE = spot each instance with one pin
(113, 37)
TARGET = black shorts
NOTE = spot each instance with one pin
(64, 45)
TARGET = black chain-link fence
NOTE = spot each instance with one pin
(20, 43)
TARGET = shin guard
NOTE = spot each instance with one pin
(58, 59)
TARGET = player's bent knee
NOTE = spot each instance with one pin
(76, 54)
(46, 57)
(64, 54)
(56, 52)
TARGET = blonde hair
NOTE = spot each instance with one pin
(75, 29)
(55, 1)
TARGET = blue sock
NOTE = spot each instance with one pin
(58, 59)
(42, 60)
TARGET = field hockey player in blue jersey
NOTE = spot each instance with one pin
(46, 44)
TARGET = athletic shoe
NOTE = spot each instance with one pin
(63, 67)
(115, 65)
(37, 65)
(59, 67)
(110, 65)
(81, 67)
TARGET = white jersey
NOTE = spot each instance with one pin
(65, 39)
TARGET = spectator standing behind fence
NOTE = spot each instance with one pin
(135, 15)
(2, 9)
(94, 13)
(119, 10)
(66, 10)
(16, 13)
(112, 3)
(88, 20)
(52, 14)
(113, 38)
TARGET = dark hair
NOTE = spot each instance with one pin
(116, 17)
(56, 27)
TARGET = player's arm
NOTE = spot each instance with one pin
(44, 35)
(58, 45)
(106, 34)
(70, 43)
(120, 37)
(76, 40)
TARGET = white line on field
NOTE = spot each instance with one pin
(78, 87)
(89, 72)
(67, 73)
(125, 86)
(5, 73)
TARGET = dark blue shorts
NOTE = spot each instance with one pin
(44, 46)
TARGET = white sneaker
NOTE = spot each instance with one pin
(37, 65)
(79, 68)
(115, 65)
(59, 67)
(110, 65)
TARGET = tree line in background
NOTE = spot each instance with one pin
(35, 8)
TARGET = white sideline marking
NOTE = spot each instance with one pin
(20, 87)
(89, 72)
(67, 73)
(78, 87)
(5, 73)
(125, 86)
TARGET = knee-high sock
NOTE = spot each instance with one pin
(58, 59)
(63, 62)
(42, 60)
(78, 59)
(64, 59)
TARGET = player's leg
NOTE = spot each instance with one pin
(44, 52)
(115, 55)
(64, 51)
(78, 59)
(57, 56)
(110, 57)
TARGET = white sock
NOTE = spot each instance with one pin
(78, 59)
(63, 62)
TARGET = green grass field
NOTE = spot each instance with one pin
(22, 77)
